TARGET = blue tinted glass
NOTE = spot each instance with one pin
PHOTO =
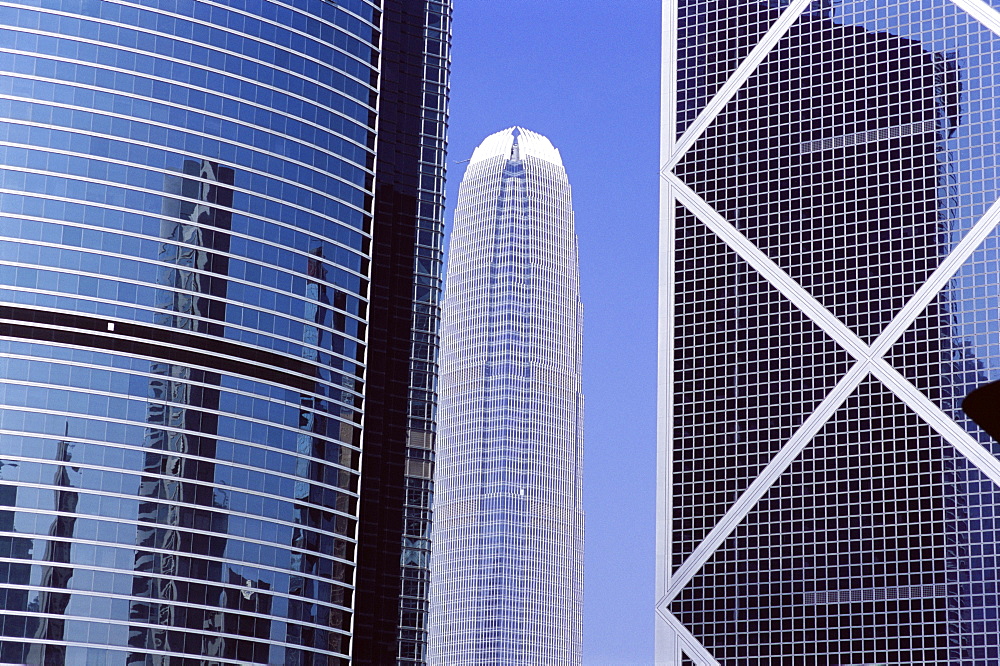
(183, 269)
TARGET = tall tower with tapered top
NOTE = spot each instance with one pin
(507, 553)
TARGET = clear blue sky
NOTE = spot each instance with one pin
(586, 75)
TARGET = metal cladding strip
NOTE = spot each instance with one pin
(664, 381)
(982, 12)
(773, 273)
(945, 426)
(937, 281)
(687, 641)
(785, 457)
(736, 81)
(668, 80)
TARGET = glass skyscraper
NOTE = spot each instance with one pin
(404, 312)
(188, 296)
(507, 558)
(830, 293)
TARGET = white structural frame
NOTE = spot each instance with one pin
(673, 639)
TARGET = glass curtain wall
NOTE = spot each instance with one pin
(401, 402)
(832, 260)
(186, 197)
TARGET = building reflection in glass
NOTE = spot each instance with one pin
(185, 249)
(177, 561)
(855, 157)
(13, 572)
(53, 599)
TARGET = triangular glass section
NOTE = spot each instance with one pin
(686, 660)
(876, 546)
(953, 346)
(748, 369)
(713, 38)
(864, 139)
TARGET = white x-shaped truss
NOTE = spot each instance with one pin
(869, 359)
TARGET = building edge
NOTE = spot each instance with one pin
(398, 453)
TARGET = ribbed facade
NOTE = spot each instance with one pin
(187, 192)
(830, 293)
(401, 395)
(507, 557)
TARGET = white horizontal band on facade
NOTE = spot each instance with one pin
(132, 448)
(193, 132)
(177, 243)
(189, 63)
(221, 661)
(289, 6)
(114, 185)
(239, 417)
(160, 577)
(75, 465)
(180, 152)
(172, 628)
(260, 566)
(260, 17)
(376, 6)
(285, 295)
(140, 499)
(181, 431)
(145, 524)
(871, 136)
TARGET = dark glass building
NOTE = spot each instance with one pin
(400, 412)
(203, 284)
(829, 174)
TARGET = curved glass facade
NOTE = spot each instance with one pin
(507, 547)
(185, 211)
(831, 253)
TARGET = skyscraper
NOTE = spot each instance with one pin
(400, 410)
(194, 269)
(830, 292)
(507, 558)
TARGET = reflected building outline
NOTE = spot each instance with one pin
(192, 276)
(832, 184)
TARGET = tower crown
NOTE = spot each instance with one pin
(502, 144)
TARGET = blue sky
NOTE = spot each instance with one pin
(586, 75)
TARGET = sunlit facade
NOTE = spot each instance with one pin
(187, 204)
(830, 292)
(507, 552)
